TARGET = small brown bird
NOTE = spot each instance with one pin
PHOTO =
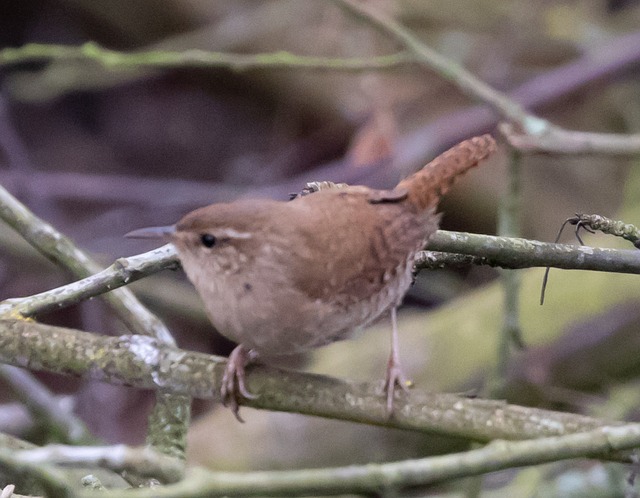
(280, 278)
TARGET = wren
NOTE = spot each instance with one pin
(280, 278)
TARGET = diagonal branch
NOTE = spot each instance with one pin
(533, 134)
(170, 416)
(446, 68)
(122, 272)
(63, 252)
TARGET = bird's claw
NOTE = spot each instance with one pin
(233, 380)
(395, 378)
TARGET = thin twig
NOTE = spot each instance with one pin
(122, 272)
(165, 59)
(539, 134)
(42, 402)
(515, 253)
(381, 479)
(446, 68)
(119, 458)
(173, 410)
(560, 141)
(445, 249)
(62, 251)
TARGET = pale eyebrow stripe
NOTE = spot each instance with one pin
(233, 234)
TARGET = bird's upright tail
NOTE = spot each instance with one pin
(425, 187)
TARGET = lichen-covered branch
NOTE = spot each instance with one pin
(454, 249)
(123, 271)
(515, 253)
(145, 362)
(171, 414)
(62, 251)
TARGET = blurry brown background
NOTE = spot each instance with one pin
(98, 153)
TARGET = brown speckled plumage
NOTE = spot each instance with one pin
(284, 277)
(333, 260)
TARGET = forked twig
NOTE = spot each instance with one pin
(592, 223)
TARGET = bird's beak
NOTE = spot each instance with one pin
(152, 233)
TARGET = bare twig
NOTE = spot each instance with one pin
(446, 68)
(123, 271)
(539, 135)
(61, 250)
(172, 410)
(380, 479)
(557, 140)
(45, 404)
(445, 249)
(517, 253)
(143, 461)
(166, 59)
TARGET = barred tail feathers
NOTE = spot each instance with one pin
(425, 187)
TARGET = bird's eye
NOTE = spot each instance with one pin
(208, 240)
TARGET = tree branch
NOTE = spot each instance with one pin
(445, 249)
(170, 416)
(144, 362)
(515, 253)
(561, 141)
(539, 134)
(165, 59)
(63, 252)
(119, 458)
(122, 272)
(446, 68)
(379, 479)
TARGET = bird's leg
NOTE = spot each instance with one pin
(395, 377)
(233, 379)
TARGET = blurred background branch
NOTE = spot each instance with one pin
(160, 59)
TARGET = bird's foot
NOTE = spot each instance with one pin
(233, 384)
(395, 378)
